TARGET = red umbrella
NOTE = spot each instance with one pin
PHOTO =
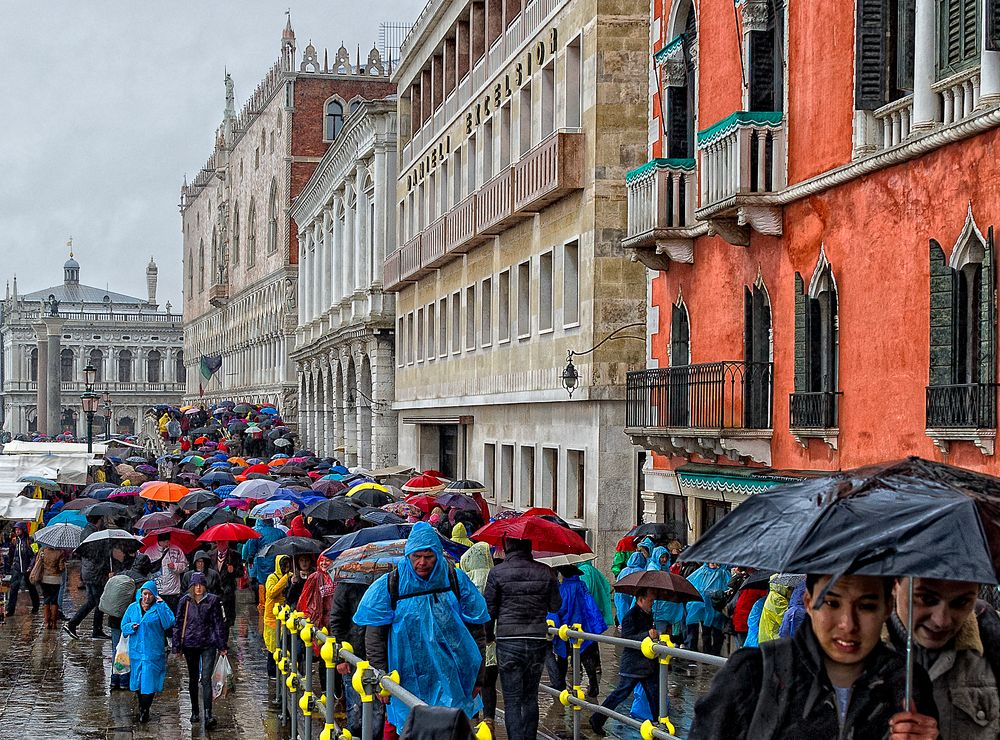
(229, 533)
(539, 511)
(184, 539)
(545, 536)
(423, 484)
(423, 502)
(258, 468)
(435, 473)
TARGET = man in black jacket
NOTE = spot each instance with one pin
(635, 668)
(20, 558)
(95, 569)
(346, 598)
(520, 592)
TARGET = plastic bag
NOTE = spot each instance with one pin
(121, 665)
(222, 677)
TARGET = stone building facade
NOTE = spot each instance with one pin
(518, 120)
(48, 336)
(240, 246)
(344, 345)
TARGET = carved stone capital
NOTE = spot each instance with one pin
(754, 15)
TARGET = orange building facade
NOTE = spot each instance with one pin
(817, 221)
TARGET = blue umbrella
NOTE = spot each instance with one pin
(193, 459)
(225, 490)
(271, 509)
(269, 411)
(340, 469)
(46, 483)
(218, 476)
(219, 464)
(69, 517)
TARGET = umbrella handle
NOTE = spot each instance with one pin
(909, 646)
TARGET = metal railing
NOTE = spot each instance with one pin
(816, 410)
(662, 651)
(964, 406)
(714, 395)
(294, 695)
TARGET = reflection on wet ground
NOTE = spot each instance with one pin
(55, 687)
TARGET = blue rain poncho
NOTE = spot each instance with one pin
(671, 612)
(578, 607)
(429, 643)
(707, 580)
(623, 602)
(146, 644)
(261, 567)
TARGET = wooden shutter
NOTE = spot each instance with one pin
(942, 291)
(871, 87)
(987, 315)
(992, 25)
(801, 337)
(762, 70)
(680, 347)
(959, 33)
(905, 44)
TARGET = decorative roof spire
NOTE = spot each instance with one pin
(288, 33)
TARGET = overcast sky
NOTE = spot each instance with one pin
(107, 104)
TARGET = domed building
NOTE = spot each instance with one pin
(49, 336)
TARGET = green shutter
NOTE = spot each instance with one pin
(987, 316)
(942, 291)
(958, 34)
(993, 25)
(801, 374)
(871, 86)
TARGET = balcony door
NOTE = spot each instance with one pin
(678, 414)
(757, 357)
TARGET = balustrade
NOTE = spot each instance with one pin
(743, 154)
(661, 195)
(549, 171)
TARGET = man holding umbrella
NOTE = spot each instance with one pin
(95, 569)
(20, 558)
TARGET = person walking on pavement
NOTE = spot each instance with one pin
(702, 616)
(578, 607)
(425, 619)
(173, 563)
(635, 668)
(274, 596)
(145, 623)
(520, 592)
(226, 562)
(20, 558)
(95, 567)
(346, 598)
(477, 562)
(202, 563)
(53, 566)
(201, 634)
(118, 595)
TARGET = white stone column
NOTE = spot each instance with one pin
(327, 260)
(362, 279)
(925, 103)
(383, 203)
(350, 245)
(317, 235)
(303, 284)
(989, 77)
(337, 271)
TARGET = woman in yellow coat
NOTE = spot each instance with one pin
(274, 595)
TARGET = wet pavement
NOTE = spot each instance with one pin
(54, 687)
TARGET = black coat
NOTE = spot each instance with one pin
(346, 598)
(636, 626)
(520, 592)
(780, 691)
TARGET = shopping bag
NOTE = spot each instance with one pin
(222, 677)
(122, 665)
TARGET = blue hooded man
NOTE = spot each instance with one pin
(425, 619)
(144, 624)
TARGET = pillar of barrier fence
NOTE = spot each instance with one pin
(283, 664)
(649, 650)
(292, 682)
(276, 654)
(328, 653)
(305, 703)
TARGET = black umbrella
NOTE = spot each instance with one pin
(372, 497)
(304, 453)
(202, 520)
(466, 486)
(221, 477)
(377, 516)
(198, 500)
(330, 510)
(293, 546)
(669, 586)
(106, 509)
(657, 531)
(241, 409)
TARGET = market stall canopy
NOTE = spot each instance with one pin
(17, 447)
(62, 468)
(21, 508)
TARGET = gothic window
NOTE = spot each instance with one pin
(333, 119)
(216, 263)
(766, 60)
(201, 265)
(756, 356)
(126, 425)
(97, 362)
(885, 43)
(678, 92)
(251, 233)
(66, 365)
(33, 365)
(125, 366)
(272, 219)
(180, 372)
(236, 234)
(817, 342)
(154, 367)
(680, 335)
(190, 271)
(354, 105)
(958, 35)
(677, 392)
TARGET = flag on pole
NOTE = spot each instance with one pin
(208, 365)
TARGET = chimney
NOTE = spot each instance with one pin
(151, 271)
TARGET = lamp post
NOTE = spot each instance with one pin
(570, 376)
(106, 398)
(90, 402)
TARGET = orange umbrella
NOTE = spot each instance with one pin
(277, 463)
(240, 478)
(163, 491)
(201, 440)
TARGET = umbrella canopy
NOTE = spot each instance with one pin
(182, 538)
(466, 486)
(272, 509)
(556, 561)
(544, 535)
(79, 504)
(425, 503)
(208, 517)
(282, 443)
(370, 496)
(114, 536)
(198, 500)
(258, 488)
(377, 516)
(366, 563)
(456, 501)
(669, 586)
(62, 536)
(383, 533)
(221, 477)
(423, 484)
(907, 518)
(156, 520)
(163, 491)
(403, 509)
(196, 460)
(293, 546)
(330, 510)
(47, 484)
(657, 531)
(329, 487)
(229, 532)
(69, 517)
(125, 492)
(106, 509)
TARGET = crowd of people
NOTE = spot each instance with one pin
(414, 577)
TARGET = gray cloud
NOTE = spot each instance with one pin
(106, 104)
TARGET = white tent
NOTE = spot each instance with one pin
(71, 469)
(17, 447)
(19, 507)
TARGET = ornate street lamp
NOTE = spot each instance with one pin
(90, 402)
(570, 376)
(89, 376)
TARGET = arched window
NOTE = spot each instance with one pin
(333, 119)
(201, 265)
(678, 92)
(97, 362)
(355, 104)
(756, 356)
(190, 276)
(126, 425)
(216, 262)
(33, 365)
(236, 234)
(180, 372)
(272, 219)
(814, 404)
(766, 52)
(125, 366)
(252, 233)
(66, 365)
(677, 406)
(154, 367)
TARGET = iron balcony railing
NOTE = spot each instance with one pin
(816, 410)
(964, 406)
(714, 395)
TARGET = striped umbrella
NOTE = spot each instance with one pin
(63, 536)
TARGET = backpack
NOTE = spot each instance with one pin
(395, 597)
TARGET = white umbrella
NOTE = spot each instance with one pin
(254, 488)
(63, 536)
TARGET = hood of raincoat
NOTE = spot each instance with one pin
(636, 560)
(460, 534)
(476, 563)
(280, 564)
(147, 586)
(654, 559)
(646, 542)
(422, 537)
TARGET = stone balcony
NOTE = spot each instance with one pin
(661, 205)
(218, 294)
(461, 234)
(549, 171)
(742, 164)
(495, 204)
